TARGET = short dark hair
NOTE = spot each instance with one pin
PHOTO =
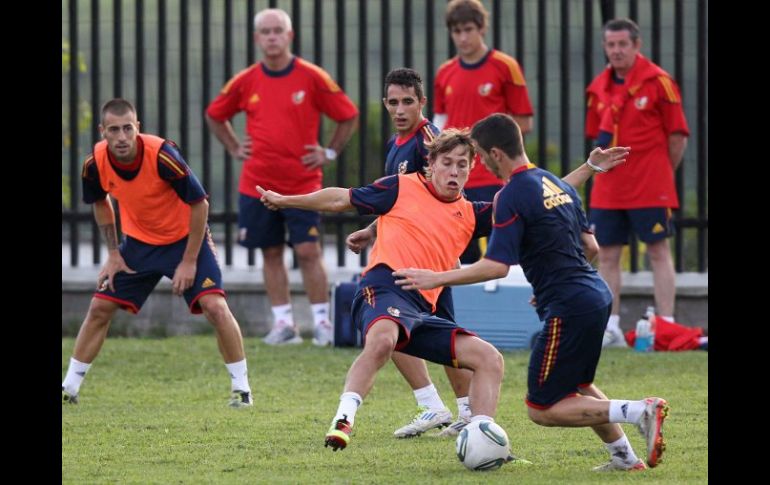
(117, 106)
(617, 25)
(450, 139)
(404, 76)
(462, 11)
(500, 131)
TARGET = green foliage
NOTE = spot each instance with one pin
(154, 411)
(84, 115)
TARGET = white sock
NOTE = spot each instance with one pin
(621, 451)
(239, 376)
(320, 313)
(480, 417)
(613, 323)
(76, 372)
(626, 411)
(349, 402)
(670, 318)
(464, 408)
(282, 316)
(428, 396)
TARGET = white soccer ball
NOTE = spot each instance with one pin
(483, 445)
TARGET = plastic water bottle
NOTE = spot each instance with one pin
(643, 341)
(650, 314)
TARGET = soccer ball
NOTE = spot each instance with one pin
(483, 445)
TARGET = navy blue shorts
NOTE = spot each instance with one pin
(422, 333)
(612, 226)
(565, 356)
(260, 227)
(152, 262)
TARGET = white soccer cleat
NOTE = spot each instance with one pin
(613, 466)
(614, 338)
(323, 334)
(240, 399)
(454, 429)
(425, 419)
(282, 335)
(655, 411)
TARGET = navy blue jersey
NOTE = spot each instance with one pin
(409, 154)
(171, 167)
(538, 221)
(380, 196)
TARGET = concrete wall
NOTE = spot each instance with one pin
(165, 314)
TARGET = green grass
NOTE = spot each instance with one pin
(154, 411)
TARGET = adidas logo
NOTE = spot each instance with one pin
(207, 283)
(458, 214)
(624, 410)
(658, 228)
(254, 98)
(553, 195)
(313, 231)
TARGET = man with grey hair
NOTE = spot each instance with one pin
(283, 97)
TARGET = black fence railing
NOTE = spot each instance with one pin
(170, 57)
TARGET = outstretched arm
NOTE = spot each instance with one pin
(602, 161)
(330, 199)
(425, 279)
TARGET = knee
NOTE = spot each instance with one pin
(658, 251)
(380, 347)
(215, 308)
(101, 311)
(495, 362)
(541, 417)
(308, 253)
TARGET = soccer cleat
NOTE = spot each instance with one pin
(454, 429)
(323, 334)
(613, 466)
(67, 398)
(516, 461)
(240, 399)
(655, 411)
(614, 338)
(423, 421)
(338, 435)
(282, 335)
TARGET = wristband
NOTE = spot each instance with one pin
(595, 168)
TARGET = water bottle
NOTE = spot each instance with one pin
(650, 314)
(643, 341)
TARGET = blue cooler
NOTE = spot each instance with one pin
(499, 311)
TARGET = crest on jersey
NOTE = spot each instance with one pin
(298, 97)
(641, 102)
(394, 311)
(402, 167)
(485, 89)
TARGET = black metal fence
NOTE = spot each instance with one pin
(172, 57)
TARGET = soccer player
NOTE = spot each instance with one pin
(539, 223)
(283, 97)
(163, 214)
(635, 102)
(477, 82)
(406, 152)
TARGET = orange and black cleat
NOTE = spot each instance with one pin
(338, 435)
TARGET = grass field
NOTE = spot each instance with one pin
(155, 411)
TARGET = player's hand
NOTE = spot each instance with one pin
(114, 264)
(416, 279)
(272, 200)
(609, 158)
(359, 240)
(184, 277)
(315, 157)
(533, 301)
(244, 149)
